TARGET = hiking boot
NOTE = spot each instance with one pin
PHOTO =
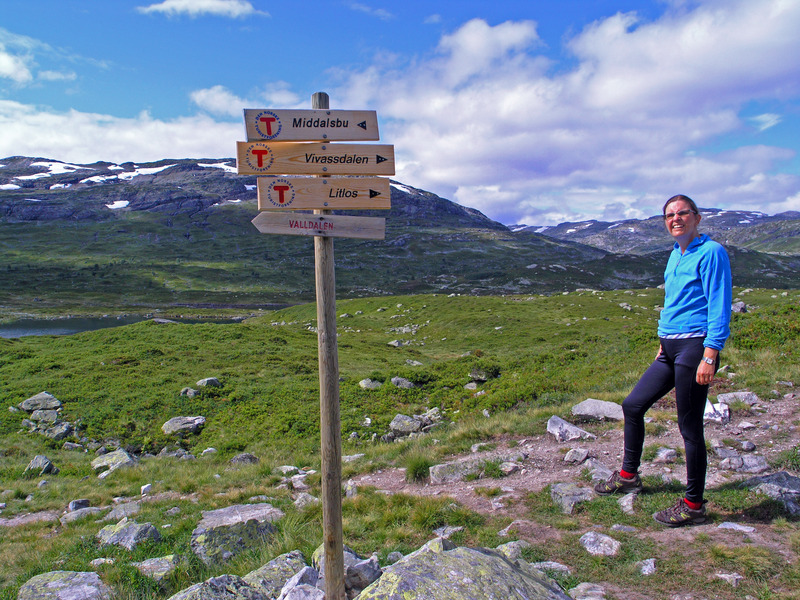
(616, 484)
(681, 514)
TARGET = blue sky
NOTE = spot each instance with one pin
(531, 111)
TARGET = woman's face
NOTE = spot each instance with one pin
(681, 220)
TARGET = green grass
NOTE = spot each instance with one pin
(542, 354)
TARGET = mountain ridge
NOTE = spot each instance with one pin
(177, 232)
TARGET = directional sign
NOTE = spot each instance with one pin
(324, 193)
(299, 158)
(310, 125)
(286, 223)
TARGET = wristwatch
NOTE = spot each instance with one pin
(709, 361)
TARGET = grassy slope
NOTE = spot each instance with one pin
(124, 383)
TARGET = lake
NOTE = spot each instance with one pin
(70, 325)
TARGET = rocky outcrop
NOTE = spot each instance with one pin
(226, 532)
(270, 579)
(224, 587)
(108, 463)
(479, 573)
(65, 585)
(598, 410)
(183, 426)
(127, 534)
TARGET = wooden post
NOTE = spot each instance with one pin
(330, 422)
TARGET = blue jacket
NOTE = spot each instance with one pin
(697, 287)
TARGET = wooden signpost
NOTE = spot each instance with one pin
(281, 142)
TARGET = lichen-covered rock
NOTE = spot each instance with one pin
(158, 569)
(569, 495)
(437, 573)
(224, 587)
(41, 401)
(270, 579)
(182, 426)
(225, 532)
(65, 585)
(108, 463)
(127, 534)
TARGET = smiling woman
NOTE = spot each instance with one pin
(692, 329)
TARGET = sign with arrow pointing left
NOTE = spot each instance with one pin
(262, 124)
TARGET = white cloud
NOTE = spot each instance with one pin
(488, 122)
(381, 13)
(765, 121)
(14, 67)
(219, 100)
(86, 137)
(195, 8)
(57, 75)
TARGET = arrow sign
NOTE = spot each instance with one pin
(270, 124)
(286, 223)
(297, 158)
(328, 193)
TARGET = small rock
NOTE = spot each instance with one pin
(245, 458)
(736, 527)
(588, 591)
(568, 495)
(647, 567)
(732, 578)
(565, 432)
(369, 384)
(599, 544)
(209, 382)
(576, 456)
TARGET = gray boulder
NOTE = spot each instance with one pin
(209, 382)
(44, 415)
(402, 382)
(568, 495)
(65, 585)
(108, 463)
(81, 513)
(458, 470)
(127, 534)
(599, 544)
(566, 432)
(58, 431)
(158, 569)
(123, 511)
(779, 486)
(41, 401)
(226, 532)
(440, 571)
(40, 465)
(270, 579)
(403, 425)
(224, 587)
(183, 426)
(369, 384)
(245, 458)
(598, 410)
(749, 398)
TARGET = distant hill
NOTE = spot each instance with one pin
(178, 233)
(743, 229)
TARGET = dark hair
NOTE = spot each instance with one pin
(686, 199)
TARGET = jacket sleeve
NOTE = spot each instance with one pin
(716, 277)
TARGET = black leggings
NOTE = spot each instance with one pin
(675, 367)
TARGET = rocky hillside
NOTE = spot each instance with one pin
(752, 230)
(178, 233)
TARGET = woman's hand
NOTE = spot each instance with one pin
(705, 371)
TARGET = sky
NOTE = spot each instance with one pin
(531, 111)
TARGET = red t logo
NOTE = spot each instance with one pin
(260, 154)
(280, 189)
(268, 121)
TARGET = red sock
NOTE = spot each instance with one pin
(626, 475)
(693, 505)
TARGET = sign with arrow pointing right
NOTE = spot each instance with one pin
(328, 193)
